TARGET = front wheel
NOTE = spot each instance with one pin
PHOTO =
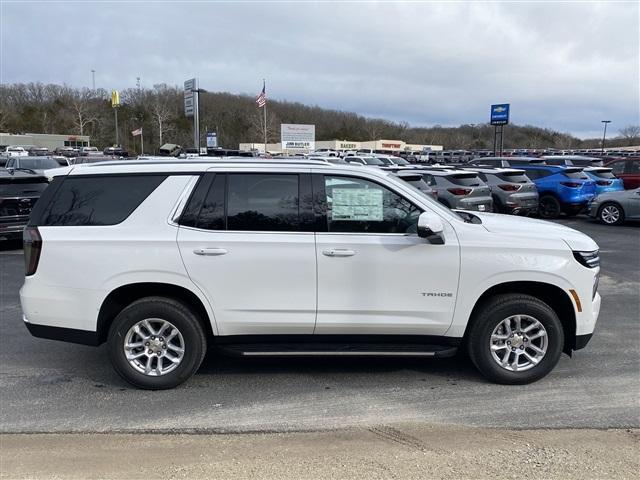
(515, 339)
(611, 214)
(156, 343)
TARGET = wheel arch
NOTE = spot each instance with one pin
(552, 295)
(611, 202)
(124, 295)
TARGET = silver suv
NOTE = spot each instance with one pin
(512, 191)
(458, 189)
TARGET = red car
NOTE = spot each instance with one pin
(628, 169)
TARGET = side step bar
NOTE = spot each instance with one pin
(337, 350)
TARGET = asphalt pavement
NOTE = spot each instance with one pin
(49, 386)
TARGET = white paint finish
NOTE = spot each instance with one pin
(264, 284)
(379, 290)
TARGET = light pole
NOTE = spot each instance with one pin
(604, 135)
(93, 79)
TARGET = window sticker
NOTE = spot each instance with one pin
(357, 204)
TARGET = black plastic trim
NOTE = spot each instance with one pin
(338, 338)
(582, 340)
(71, 335)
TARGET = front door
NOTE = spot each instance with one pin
(375, 275)
(246, 243)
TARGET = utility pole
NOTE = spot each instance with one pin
(138, 82)
(604, 135)
(93, 79)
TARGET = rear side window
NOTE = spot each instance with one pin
(465, 179)
(99, 200)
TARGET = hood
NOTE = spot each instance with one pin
(530, 227)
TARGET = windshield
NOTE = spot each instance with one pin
(514, 177)
(373, 161)
(602, 173)
(37, 163)
(400, 161)
(385, 161)
(465, 179)
(22, 186)
(576, 174)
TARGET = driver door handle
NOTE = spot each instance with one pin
(210, 251)
(339, 252)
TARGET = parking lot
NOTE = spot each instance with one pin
(50, 386)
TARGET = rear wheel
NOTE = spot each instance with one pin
(156, 343)
(611, 214)
(549, 207)
(515, 339)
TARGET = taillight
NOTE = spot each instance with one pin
(604, 183)
(571, 184)
(509, 187)
(435, 194)
(32, 243)
(460, 191)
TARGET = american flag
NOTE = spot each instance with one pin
(261, 99)
(136, 132)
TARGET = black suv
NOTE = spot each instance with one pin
(19, 191)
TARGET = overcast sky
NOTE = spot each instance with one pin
(564, 66)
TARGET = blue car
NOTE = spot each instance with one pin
(562, 189)
(605, 180)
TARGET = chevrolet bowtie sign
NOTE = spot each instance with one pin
(500, 114)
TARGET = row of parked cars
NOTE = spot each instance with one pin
(549, 186)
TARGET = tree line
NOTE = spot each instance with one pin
(62, 109)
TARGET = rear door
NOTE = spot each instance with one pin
(375, 275)
(247, 242)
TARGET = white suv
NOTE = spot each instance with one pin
(162, 259)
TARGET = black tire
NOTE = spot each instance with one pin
(611, 208)
(549, 207)
(488, 317)
(170, 310)
(497, 205)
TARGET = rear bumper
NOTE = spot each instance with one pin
(478, 204)
(71, 335)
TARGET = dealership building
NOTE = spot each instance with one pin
(45, 140)
(396, 146)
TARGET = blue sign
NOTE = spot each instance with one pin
(500, 114)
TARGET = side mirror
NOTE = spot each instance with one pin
(430, 226)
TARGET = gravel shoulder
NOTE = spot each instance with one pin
(400, 451)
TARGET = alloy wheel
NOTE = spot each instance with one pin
(518, 343)
(154, 347)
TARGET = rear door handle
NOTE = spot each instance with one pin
(210, 251)
(339, 252)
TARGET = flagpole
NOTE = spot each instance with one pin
(141, 142)
(265, 116)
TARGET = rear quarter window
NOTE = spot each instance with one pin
(99, 200)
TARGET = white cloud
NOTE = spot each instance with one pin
(564, 66)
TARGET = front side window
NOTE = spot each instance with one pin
(617, 167)
(355, 205)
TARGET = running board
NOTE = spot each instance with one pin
(337, 350)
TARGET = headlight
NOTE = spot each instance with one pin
(588, 259)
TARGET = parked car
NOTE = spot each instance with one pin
(613, 208)
(628, 169)
(565, 190)
(507, 161)
(19, 192)
(605, 180)
(62, 161)
(65, 151)
(93, 159)
(366, 160)
(458, 189)
(14, 151)
(572, 160)
(39, 152)
(391, 160)
(269, 258)
(416, 180)
(332, 160)
(116, 152)
(36, 164)
(84, 151)
(512, 191)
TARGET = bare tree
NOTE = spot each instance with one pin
(631, 133)
(83, 107)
